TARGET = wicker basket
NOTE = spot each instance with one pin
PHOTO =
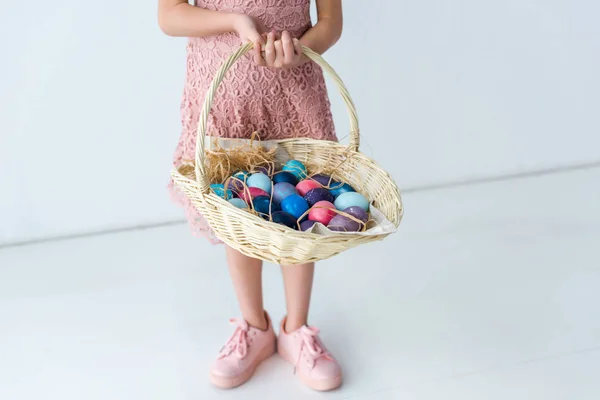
(257, 238)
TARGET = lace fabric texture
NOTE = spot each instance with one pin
(278, 103)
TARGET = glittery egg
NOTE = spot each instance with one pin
(283, 176)
(295, 167)
(261, 181)
(350, 199)
(357, 213)
(324, 180)
(282, 190)
(294, 205)
(341, 223)
(316, 195)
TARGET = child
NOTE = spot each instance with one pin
(280, 93)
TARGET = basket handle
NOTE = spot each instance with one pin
(208, 100)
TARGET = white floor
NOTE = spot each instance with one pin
(487, 292)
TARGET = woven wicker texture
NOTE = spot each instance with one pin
(258, 238)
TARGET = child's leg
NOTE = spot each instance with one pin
(297, 280)
(246, 274)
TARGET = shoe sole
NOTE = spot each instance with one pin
(321, 385)
(235, 381)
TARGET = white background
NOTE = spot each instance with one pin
(445, 90)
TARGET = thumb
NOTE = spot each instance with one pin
(255, 37)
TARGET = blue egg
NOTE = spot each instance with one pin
(284, 176)
(281, 217)
(260, 181)
(264, 206)
(297, 168)
(220, 191)
(282, 190)
(294, 205)
(239, 203)
(351, 199)
(338, 188)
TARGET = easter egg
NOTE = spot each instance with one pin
(339, 188)
(341, 223)
(294, 205)
(350, 199)
(281, 217)
(259, 180)
(264, 206)
(322, 212)
(295, 167)
(318, 194)
(324, 180)
(239, 203)
(282, 190)
(251, 192)
(357, 213)
(266, 169)
(283, 176)
(306, 185)
(306, 225)
(237, 181)
(220, 191)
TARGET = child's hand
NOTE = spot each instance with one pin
(249, 29)
(283, 53)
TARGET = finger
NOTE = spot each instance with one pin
(288, 48)
(270, 54)
(258, 58)
(256, 37)
(280, 59)
(298, 49)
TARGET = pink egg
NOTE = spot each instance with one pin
(251, 192)
(322, 212)
(306, 185)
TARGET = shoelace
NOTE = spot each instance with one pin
(238, 342)
(311, 345)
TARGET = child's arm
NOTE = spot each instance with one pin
(178, 18)
(328, 29)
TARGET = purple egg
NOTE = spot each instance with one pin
(341, 223)
(266, 169)
(358, 213)
(306, 225)
(316, 195)
(282, 190)
(237, 182)
(324, 180)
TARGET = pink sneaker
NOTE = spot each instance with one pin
(242, 353)
(313, 363)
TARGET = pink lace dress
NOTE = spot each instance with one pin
(276, 102)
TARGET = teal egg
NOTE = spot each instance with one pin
(294, 205)
(351, 199)
(260, 181)
(239, 203)
(296, 168)
(220, 191)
